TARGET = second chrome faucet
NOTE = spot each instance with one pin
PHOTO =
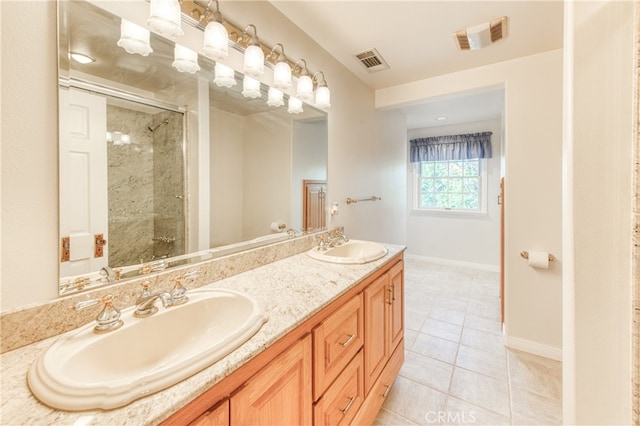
(146, 302)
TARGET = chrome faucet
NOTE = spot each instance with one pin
(338, 237)
(145, 304)
(179, 292)
(109, 317)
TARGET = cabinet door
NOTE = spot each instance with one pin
(396, 317)
(335, 342)
(280, 393)
(376, 341)
(218, 416)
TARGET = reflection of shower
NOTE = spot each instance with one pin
(153, 128)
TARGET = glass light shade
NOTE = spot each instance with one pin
(126, 139)
(253, 61)
(305, 89)
(282, 75)
(109, 137)
(224, 76)
(251, 87)
(295, 105)
(216, 41)
(186, 60)
(134, 38)
(276, 97)
(164, 18)
(323, 97)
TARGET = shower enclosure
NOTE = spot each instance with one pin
(146, 183)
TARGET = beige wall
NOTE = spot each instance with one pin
(598, 231)
(533, 142)
(29, 137)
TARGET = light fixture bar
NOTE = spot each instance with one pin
(194, 10)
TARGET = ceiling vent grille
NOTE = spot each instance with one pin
(371, 60)
(498, 29)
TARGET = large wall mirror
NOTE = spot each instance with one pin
(160, 167)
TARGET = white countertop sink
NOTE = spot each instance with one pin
(351, 252)
(83, 370)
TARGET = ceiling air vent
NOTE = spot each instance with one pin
(371, 60)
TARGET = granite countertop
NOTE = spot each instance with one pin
(289, 290)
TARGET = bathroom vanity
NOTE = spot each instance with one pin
(328, 354)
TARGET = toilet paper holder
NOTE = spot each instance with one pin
(525, 255)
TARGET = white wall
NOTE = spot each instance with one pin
(227, 167)
(533, 142)
(29, 138)
(267, 171)
(309, 158)
(469, 238)
(598, 154)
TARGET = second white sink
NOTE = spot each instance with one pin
(351, 252)
(83, 370)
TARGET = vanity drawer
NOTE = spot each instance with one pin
(340, 403)
(335, 341)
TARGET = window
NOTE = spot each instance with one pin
(451, 185)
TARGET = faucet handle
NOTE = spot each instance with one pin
(109, 317)
(179, 292)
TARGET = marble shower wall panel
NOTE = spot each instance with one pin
(130, 180)
(169, 185)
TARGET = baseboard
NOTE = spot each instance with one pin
(532, 347)
(452, 262)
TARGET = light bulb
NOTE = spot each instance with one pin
(224, 76)
(164, 18)
(305, 88)
(276, 97)
(216, 41)
(295, 105)
(186, 60)
(282, 75)
(251, 87)
(134, 38)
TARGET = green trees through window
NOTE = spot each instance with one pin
(450, 185)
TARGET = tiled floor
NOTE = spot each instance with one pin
(456, 368)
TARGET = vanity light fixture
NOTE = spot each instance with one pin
(305, 84)
(253, 54)
(295, 105)
(281, 69)
(216, 36)
(224, 75)
(251, 87)
(81, 58)
(165, 17)
(275, 97)
(185, 59)
(323, 95)
(134, 39)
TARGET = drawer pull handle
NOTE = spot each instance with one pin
(386, 391)
(390, 290)
(393, 293)
(349, 340)
(345, 409)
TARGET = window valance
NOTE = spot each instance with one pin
(451, 147)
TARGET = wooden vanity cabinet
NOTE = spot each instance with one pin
(384, 321)
(280, 394)
(217, 416)
(335, 368)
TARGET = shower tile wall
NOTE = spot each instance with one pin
(130, 180)
(146, 186)
(168, 185)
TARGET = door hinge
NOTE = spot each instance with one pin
(100, 242)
